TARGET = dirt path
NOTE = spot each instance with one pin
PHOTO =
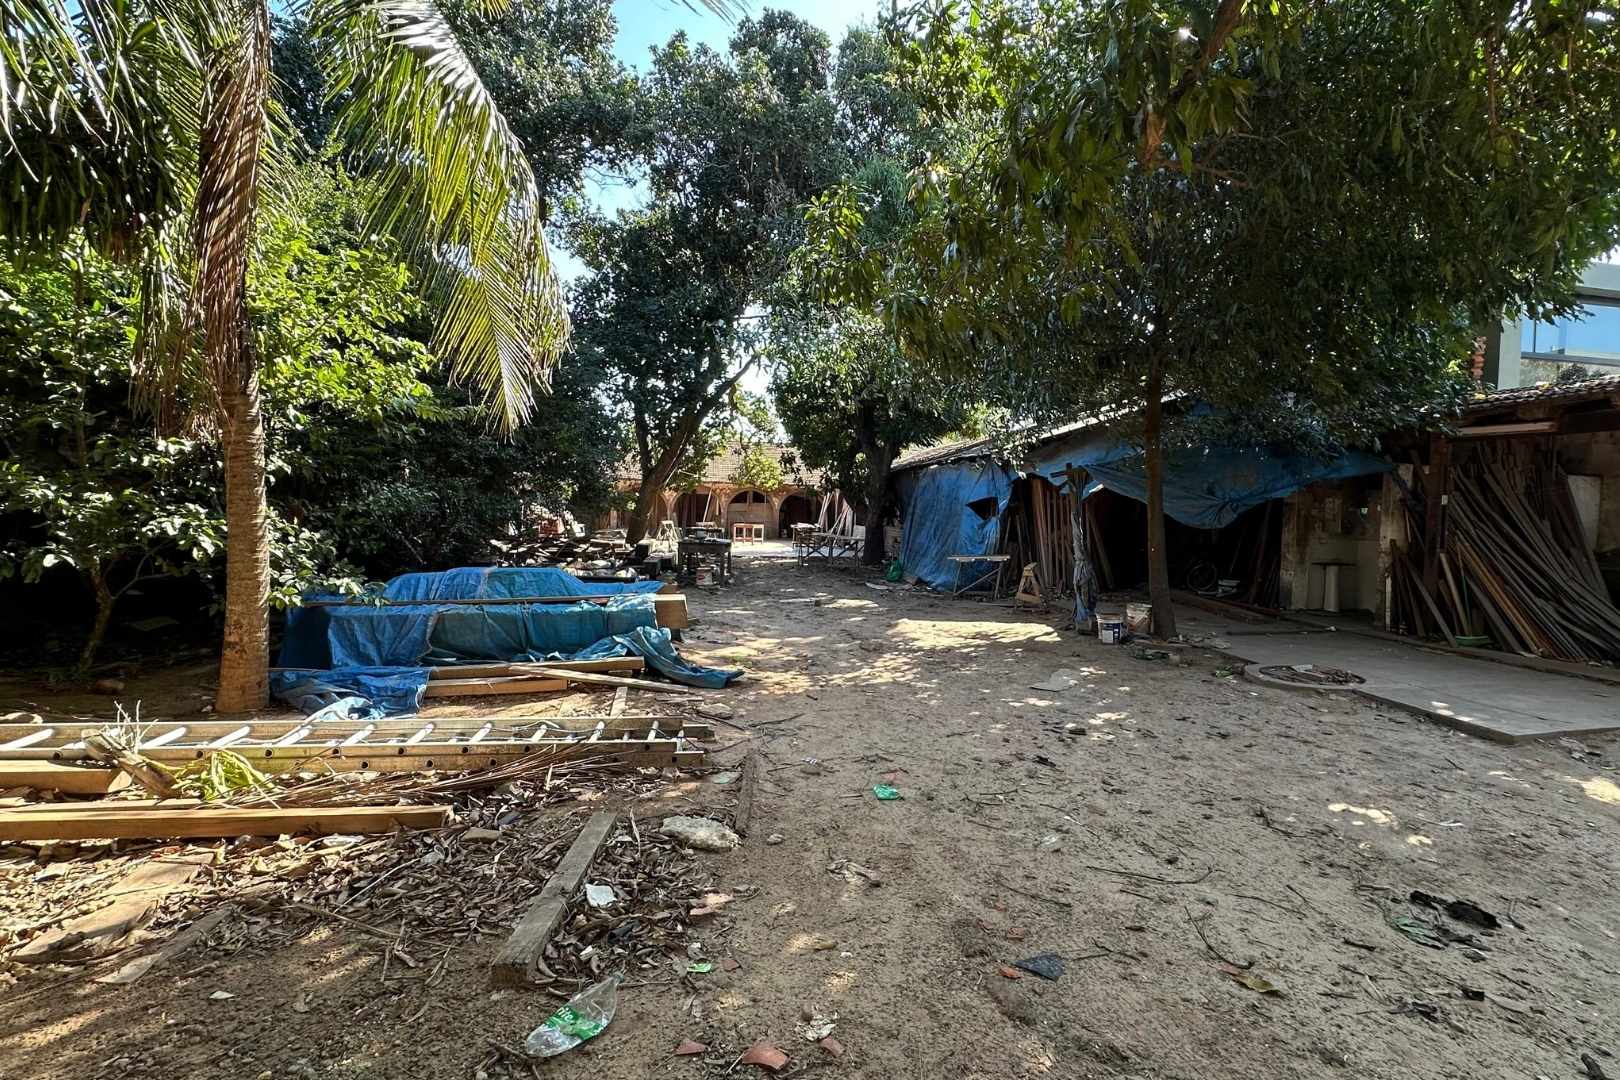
(1185, 815)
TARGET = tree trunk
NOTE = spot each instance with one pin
(635, 526)
(244, 664)
(877, 508)
(878, 460)
(1164, 614)
(105, 599)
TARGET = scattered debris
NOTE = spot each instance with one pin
(600, 896)
(832, 1046)
(1060, 680)
(765, 1056)
(584, 1017)
(704, 834)
(885, 792)
(1257, 983)
(817, 1026)
(221, 995)
(1046, 965)
(1315, 675)
(170, 949)
(855, 873)
(688, 1048)
(774, 839)
(1465, 911)
(1015, 1002)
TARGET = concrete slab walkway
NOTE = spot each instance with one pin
(1494, 701)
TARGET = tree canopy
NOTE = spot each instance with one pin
(1294, 212)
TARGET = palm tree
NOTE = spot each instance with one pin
(150, 126)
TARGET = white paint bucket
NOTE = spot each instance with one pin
(1139, 618)
(1110, 628)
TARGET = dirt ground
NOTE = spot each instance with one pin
(1148, 825)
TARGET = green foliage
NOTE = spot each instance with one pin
(850, 402)
(96, 491)
(736, 143)
(759, 468)
(1296, 212)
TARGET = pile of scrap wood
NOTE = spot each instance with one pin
(416, 895)
(1510, 563)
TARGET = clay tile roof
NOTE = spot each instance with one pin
(1602, 386)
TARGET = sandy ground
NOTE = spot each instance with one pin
(1186, 817)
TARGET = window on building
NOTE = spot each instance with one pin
(1591, 338)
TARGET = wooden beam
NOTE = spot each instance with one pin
(495, 671)
(593, 679)
(81, 824)
(746, 787)
(68, 779)
(512, 684)
(519, 959)
(1486, 431)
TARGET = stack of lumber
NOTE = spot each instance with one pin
(1512, 564)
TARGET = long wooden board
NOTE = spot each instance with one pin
(68, 779)
(517, 961)
(513, 684)
(592, 679)
(490, 671)
(421, 756)
(165, 824)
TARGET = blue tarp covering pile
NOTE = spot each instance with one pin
(1206, 487)
(360, 662)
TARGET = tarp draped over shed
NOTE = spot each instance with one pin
(950, 510)
(381, 655)
(1205, 487)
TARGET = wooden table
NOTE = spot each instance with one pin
(692, 552)
(993, 576)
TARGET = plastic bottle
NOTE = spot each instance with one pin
(585, 1015)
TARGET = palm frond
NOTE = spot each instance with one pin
(454, 184)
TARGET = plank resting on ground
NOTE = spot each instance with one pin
(516, 962)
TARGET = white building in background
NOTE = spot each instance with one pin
(1527, 352)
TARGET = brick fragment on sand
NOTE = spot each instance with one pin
(832, 1046)
(688, 1048)
(765, 1056)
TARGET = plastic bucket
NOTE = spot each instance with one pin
(1110, 628)
(1139, 618)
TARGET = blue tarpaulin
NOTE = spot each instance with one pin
(943, 506)
(359, 661)
(950, 510)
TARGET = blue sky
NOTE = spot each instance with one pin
(645, 23)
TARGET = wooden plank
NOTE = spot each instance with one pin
(624, 747)
(135, 896)
(488, 671)
(519, 959)
(593, 679)
(1435, 482)
(745, 793)
(210, 822)
(621, 700)
(513, 684)
(68, 779)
